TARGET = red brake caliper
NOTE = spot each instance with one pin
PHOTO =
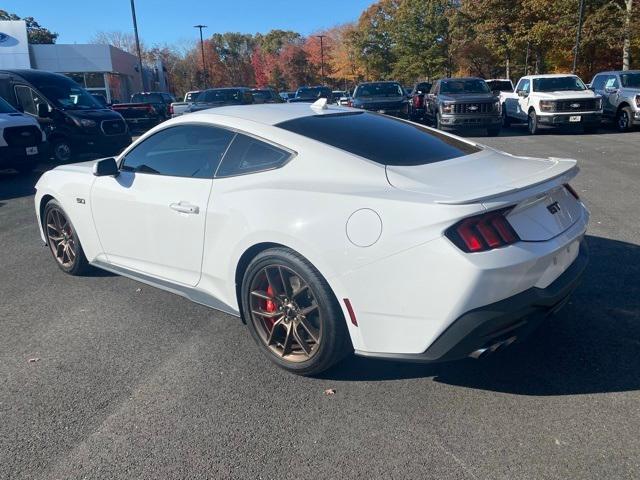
(270, 306)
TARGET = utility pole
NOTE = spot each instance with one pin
(526, 59)
(578, 33)
(321, 37)
(135, 31)
(205, 76)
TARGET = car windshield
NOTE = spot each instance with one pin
(191, 96)
(5, 107)
(464, 86)
(500, 85)
(312, 92)
(66, 94)
(222, 95)
(146, 98)
(630, 80)
(379, 90)
(379, 138)
(558, 84)
(261, 94)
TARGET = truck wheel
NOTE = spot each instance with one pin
(61, 150)
(532, 123)
(506, 121)
(623, 119)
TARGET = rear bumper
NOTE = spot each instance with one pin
(513, 318)
(565, 119)
(471, 121)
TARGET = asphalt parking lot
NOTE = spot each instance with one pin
(102, 377)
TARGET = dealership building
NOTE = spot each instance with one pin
(101, 69)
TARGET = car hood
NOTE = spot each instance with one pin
(467, 97)
(16, 120)
(571, 94)
(478, 177)
(95, 115)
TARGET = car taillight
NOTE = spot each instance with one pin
(572, 191)
(170, 109)
(349, 103)
(417, 101)
(483, 232)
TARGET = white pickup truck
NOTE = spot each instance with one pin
(21, 139)
(178, 108)
(552, 100)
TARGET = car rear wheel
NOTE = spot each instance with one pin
(532, 123)
(623, 119)
(63, 241)
(292, 313)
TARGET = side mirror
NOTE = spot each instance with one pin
(522, 93)
(43, 110)
(611, 90)
(106, 167)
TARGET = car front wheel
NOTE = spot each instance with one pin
(62, 151)
(63, 240)
(623, 119)
(292, 313)
(533, 123)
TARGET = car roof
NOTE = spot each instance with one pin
(31, 75)
(455, 79)
(617, 72)
(551, 75)
(497, 80)
(270, 113)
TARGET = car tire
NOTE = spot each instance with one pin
(532, 123)
(623, 119)
(292, 314)
(61, 149)
(438, 122)
(63, 241)
(506, 121)
(493, 131)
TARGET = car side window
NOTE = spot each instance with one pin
(612, 82)
(523, 85)
(28, 99)
(182, 151)
(248, 155)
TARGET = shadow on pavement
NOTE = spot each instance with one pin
(15, 185)
(591, 346)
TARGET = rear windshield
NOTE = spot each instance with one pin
(379, 90)
(464, 86)
(558, 84)
(5, 107)
(380, 138)
(500, 86)
(146, 98)
(222, 95)
(191, 96)
(313, 92)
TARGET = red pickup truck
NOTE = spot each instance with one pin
(146, 110)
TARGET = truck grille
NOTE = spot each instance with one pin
(472, 108)
(24, 136)
(587, 105)
(114, 127)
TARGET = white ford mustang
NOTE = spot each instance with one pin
(329, 230)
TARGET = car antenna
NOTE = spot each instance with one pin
(320, 104)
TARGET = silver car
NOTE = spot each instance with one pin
(620, 92)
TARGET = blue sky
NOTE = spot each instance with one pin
(171, 21)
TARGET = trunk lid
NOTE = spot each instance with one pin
(543, 207)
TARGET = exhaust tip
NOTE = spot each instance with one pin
(483, 352)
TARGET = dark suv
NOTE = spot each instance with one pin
(382, 97)
(455, 103)
(221, 97)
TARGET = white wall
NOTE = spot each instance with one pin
(71, 58)
(14, 47)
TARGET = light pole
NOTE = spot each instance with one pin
(204, 66)
(578, 33)
(321, 37)
(135, 31)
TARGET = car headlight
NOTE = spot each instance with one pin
(84, 122)
(497, 106)
(599, 104)
(547, 105)
(447, 108)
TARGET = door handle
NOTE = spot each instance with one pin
(184, 207)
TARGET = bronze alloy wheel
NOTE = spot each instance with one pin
(61, 237)
(285, 313)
